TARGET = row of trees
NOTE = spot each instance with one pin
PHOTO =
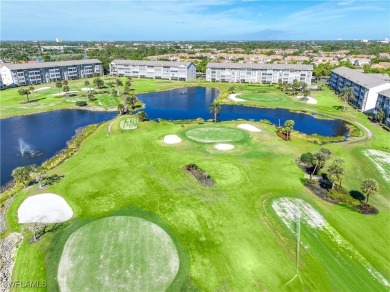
(295, 87)
(335, 171)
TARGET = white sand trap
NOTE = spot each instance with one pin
(234, 98)
(381, 160)
(310, 100)
(42, 88)
(224, 147)
(87, 88)
(289, 209)
(44, 208)
(64, 93)
(172, 139)
(249, 128)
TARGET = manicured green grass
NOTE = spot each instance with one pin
(210, 134)
(118, 253)
(234, 240)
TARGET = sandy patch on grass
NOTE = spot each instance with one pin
(224, 147)
(172, 139)
(87, 88)
(249, 128)
(310, 100)
(42, 88)
(65, 93)
(381, 160)
(44, 208)
(233, 97)
(290, 209)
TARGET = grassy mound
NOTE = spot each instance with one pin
(118, 253)
(214, 134)
(128, 123)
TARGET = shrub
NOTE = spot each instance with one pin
(81, 103)
(311, 181)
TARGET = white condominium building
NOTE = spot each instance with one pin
(25, 74)
(366, 87)
(184, 71)
(258, 73)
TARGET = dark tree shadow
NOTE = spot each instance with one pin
(357, 195)
(337, 107)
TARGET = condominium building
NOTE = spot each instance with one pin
(184, 71)
(366, 87)
(258, 73)
(25, 74)
(383, 103)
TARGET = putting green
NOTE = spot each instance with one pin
(260, 97)
(128, 123)
(215, 134)
(120, 253)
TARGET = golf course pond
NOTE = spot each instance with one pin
(32, 139)
(194, 102)
(35, 138)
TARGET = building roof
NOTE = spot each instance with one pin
(358, 77)
(260, 66)
(50, 64)
(382, 76)
(385, 93)
(152, 63)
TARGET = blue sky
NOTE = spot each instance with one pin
(195, 20)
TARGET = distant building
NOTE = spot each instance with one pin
(184, 71)
(58, 40)
(383, 103)
(258, 73)
(25, 74)
(366, 87)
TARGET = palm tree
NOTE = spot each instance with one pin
(380, 116)
(25, 92)
(346, 94)
(31, 89)
(306, 92)
(288, 126)
(231, 90)
(280, 84)
(128, 83)
(295, 86)
(369, 187)
(118, 83)
(336, 171)
(66, 89)
(215, 109)
(87, 84)
(120, 108)
(59, 86)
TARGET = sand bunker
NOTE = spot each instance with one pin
(44, 208)
(172, 139)
(87, 88)
(381, 160)
(42, 88)
(234, 98)
(310, 100)
(65, 93)
(224, 147)
(249, 128)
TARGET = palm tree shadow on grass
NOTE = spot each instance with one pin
(357, 195)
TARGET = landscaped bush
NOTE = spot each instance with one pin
(81, 103)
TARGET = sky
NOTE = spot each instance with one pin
(188, 20)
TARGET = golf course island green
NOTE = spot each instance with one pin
(119, 253)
